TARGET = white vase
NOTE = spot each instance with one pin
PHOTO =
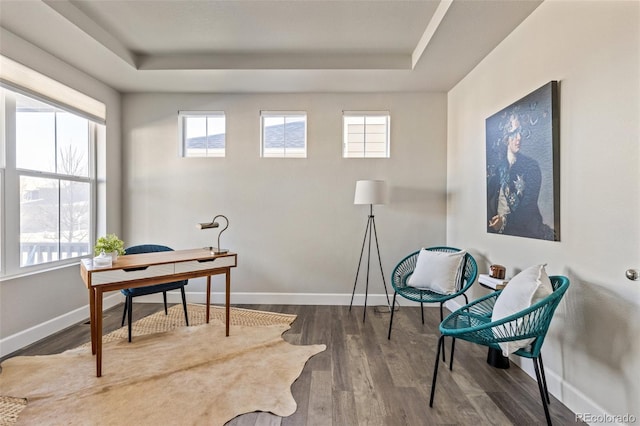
(114, 256)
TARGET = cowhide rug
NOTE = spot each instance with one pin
(190, 375)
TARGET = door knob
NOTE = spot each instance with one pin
(633, 274)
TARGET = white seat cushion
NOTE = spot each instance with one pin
(437, 271)
(523, 290)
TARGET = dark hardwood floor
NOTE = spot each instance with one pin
(364, 379)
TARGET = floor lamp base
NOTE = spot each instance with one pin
(369, 231)
(384, 309)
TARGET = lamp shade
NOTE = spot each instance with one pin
(370, 192)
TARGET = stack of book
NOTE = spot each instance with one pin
(493, 283)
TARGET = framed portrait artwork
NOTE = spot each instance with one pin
(522, 153)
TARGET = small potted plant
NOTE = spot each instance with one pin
(110, 244)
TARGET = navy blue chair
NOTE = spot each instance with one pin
(130, 293)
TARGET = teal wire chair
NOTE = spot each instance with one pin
(472, 323)
(405, 268)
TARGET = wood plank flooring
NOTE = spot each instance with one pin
(364, 379)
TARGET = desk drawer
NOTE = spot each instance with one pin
(120, 275)
(194, 265)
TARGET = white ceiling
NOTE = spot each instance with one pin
(268, 45)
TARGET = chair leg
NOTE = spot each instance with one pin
(442, 319)
(544, 379)
(435, 370)
(130, 313)
(184, 305)
(393, 308)
(453, 346)
(422, 311)
(164, 297)
(542, 391)
(124, 314)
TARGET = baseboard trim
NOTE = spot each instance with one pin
(564, 392)
(585, 408)
(575, 400)
(31, 335)
(337, 299)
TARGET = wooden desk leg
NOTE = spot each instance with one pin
(92, 318)
(208, 296)
(228, 297)
(98, 331)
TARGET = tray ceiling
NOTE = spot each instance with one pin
(268, 46)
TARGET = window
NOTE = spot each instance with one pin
(202, 134)
(47, 180)
(366, 134)
(284, 134)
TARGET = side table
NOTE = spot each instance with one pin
(494, 357)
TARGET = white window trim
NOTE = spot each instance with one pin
(3, 150)
(273, 113)
(182, 136)
(355, 113)
(10, 242)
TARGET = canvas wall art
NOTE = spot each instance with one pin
(522, 154)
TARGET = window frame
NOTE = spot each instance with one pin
(346, 143)
(284, 115)
(182, 128)
(10, 176)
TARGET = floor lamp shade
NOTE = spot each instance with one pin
(370, 192)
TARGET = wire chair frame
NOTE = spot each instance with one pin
(472, 323)
(404, 269)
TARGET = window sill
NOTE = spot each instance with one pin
(40, 270)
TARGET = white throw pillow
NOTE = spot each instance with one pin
(437, 271)
(525, 289)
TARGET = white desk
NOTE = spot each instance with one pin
(141, 270)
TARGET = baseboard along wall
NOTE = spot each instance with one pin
(37, 332)
(564, 392)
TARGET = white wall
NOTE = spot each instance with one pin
(592, 354)
(31, 307)
(292, 221)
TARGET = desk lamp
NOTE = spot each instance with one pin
(214, 224)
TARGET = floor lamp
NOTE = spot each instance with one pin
(370, 192)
